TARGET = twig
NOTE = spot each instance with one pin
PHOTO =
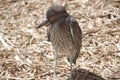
(3, 41)
(46, 73)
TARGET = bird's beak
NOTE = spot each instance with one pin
(46, 22)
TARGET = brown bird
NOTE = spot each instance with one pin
(64, 33)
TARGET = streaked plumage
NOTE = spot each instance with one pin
(64, 33)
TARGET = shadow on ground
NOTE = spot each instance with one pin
(82, 74)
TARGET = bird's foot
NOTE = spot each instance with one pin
(54, 76)
(70, 77)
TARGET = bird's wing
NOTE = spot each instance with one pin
(76, 34)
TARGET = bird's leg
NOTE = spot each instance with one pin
(71, 67)
(71, 78)
(55, 65)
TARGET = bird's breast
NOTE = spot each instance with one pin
(61, 39)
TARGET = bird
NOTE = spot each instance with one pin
(64, 33)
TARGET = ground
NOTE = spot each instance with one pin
(25, 53)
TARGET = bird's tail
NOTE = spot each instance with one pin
(72, 60)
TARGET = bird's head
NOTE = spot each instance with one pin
(53, 13)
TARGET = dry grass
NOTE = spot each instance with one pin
(25, 53)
